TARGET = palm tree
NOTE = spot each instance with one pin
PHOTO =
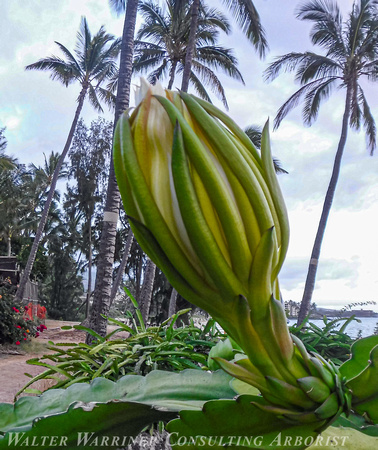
(247, 18)
(104, 274)
(167, 32)
(351, 53)
(94, 63)
(6, 162)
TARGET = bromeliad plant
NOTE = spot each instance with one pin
(206, 207)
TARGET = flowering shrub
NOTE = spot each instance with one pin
(14, 328)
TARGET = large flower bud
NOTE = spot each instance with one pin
(203, 203)
(206, 207)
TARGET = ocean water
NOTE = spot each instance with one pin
(367, 325)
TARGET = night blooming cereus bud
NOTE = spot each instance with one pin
(207, 209)
(203, 204)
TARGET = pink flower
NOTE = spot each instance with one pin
(36, 334)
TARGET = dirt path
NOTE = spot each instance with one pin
(13, 367)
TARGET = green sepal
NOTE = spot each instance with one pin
(278, 201)
(128, 165)
(218, 191)
(360, 355)
(290, 394)
(195, 223)
(314, 388)
(153, 249)
(364, 389)
(329, 408)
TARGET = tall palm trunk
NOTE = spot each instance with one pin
(103, 285)
(90, 257)
(9, 245)
(191, 46)
(172, 75)
(146, 294)
(172, 303)
(121, 268)
(313, 266)
(39, 233)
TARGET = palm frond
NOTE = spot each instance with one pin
(327, 30)
(369, 122)
(209, 77)
(254, 133)
(69, 55)
(158, 73)
(92, 96)
(107, 95)
(83, 42)
(199, 87)
(317, 66)
(118, 6)
(248, 19)
(314, 97)
(60, 70)
(219, 58)
(294, 100)
(285, 63)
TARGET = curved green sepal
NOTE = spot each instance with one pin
(364, 389)
(360, 354)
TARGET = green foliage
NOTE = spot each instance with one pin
(162, 347)
(62, 289)
(14, 329)
(107, 408)
(330, 341)
(361, 372)
(162, 42)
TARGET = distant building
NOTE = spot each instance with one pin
(9, 270)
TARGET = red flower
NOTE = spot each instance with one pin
(25, 339)
(26, 308)
(18, 326)
(25, 334)
(36, 334)
(18, 343)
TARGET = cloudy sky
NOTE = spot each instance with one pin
(38, 112)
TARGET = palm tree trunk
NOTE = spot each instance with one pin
(172, 75)
(313, 266)
(39, 233)
(89, 289)
(146, 294)
(172, 303)
(103, 285)
(121, 268)
(191, 46)
(9, 245)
